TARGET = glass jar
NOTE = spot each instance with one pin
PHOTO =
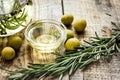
(45, 37)
(14, 16)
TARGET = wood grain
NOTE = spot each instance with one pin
(47, 9)
(94, 11)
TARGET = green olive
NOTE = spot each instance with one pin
(80, 25)
(71, 44)
(15, 42)
(67, 19)
(70, 34)
(8, 53)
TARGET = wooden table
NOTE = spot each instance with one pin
(94, 11)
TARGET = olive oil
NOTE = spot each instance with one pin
(45, 37)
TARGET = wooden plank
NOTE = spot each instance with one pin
(94, 12)
(116, 5)
(91, 10)
(47, 9)
(105, 71)
(42, 9)
(115, 63)
(22, 59)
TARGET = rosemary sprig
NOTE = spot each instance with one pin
(12, 22)
(73, 60)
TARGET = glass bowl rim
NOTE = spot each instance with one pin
(61, 39)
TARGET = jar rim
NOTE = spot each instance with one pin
(62, 37)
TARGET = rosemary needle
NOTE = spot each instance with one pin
(72, 60)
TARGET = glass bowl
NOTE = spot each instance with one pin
(45, 35)
(45, 38)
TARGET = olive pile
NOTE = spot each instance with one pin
(79, 25)
(10, 45)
